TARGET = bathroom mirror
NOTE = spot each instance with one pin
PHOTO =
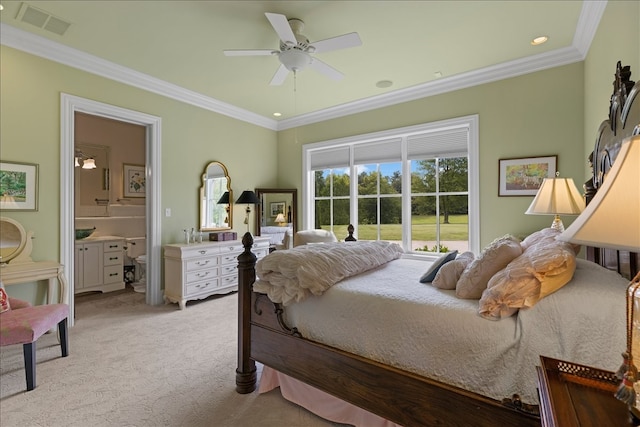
(215, 182)
(13, 240)
(273, 203)
(92, 184)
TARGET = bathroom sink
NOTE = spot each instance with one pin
(83, 233)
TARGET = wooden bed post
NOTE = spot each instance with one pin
(246, 371)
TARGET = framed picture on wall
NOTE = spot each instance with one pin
(133, 180)
(18, 186)
(276, 208)
(524, 176)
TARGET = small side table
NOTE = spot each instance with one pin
(573, 395)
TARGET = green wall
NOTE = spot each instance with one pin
(191, 138)
(538, 114)
(548, 112)
(617, 39)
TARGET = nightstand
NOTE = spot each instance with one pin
(573, 395)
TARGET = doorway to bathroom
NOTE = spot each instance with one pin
(109, 198)
(70, 105)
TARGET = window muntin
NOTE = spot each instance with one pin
(454, 140)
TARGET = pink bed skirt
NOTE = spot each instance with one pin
(320, 403)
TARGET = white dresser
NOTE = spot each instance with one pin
(198, 270)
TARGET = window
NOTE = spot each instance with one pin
(416, 185)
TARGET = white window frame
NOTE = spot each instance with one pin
(471, 123)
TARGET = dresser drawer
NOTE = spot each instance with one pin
(260, 245)
(229, 280)
(200, 263)
(198, 275)
(112, 258)
(202, 287)
(235, 248)
(230, 259)
(261, 253)
(198, 251)
(113, 246)
(112, 274)
(229, 269)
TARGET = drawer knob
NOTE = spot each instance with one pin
(203, 252)
(113, 274)
(113, 258)
(205, 274)
(203, 262)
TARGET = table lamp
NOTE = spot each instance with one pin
(224, 200)
(557, 196)
(248, 198)
(612, 220)
(280, 220)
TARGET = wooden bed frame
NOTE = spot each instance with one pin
(399, 396)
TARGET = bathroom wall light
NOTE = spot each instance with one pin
(89, 163)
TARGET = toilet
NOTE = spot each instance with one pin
(136, 248)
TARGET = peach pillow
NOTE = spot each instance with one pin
(542, 269)
(448, 275)
(493, 258)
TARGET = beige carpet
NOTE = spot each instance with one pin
(135, 365)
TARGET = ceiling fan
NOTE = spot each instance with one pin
(295, 49)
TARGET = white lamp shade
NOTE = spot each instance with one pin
(280, 219)
(612, 218)
(557, 196)
(89, 164)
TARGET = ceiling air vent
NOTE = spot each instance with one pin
(42, 19)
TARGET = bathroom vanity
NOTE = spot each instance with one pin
(99, 264)
(198, 270)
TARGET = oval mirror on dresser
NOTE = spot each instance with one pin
(13, 239)
(216, 198)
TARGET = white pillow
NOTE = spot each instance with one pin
(313, 236)
(493, 258)
(450, 273)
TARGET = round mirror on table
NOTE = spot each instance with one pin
(216, 198)
(13, 239)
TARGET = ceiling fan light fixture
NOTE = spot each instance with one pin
(294, 59)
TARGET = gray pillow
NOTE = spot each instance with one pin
(430, 274)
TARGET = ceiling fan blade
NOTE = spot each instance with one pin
(325, 69)
(279, 76)
(282, 27)
(248, 52)
(339, 42)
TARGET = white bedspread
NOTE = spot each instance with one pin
(401, 322)
(294, 275)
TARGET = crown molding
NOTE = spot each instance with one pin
(588, 22)
(22, 40)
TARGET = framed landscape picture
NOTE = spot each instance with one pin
(18, 186)
(276, 208)
(524, 176)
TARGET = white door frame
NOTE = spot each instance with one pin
(69, 105)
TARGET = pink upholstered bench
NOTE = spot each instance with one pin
(25, 324)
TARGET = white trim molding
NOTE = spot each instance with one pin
(69, 105)
(588, 22)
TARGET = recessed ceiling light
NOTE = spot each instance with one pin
(539, 40)
(384, 83)
(277, 114)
